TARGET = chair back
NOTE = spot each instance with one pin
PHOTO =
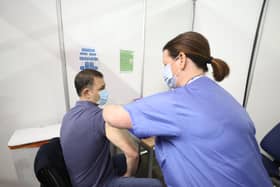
(49, 165)
(271, 142)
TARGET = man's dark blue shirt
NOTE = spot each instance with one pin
(85, 146)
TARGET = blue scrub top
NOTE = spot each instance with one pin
(204, 136)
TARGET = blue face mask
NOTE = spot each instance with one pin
(168, 77)
(103, 97)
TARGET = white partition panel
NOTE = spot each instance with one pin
(264, 103)
(106, 26)
(230, 28)
(165, 20)
(30, 75)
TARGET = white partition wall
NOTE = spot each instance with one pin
(230, 28)
(264, 103)
(108, 27)
(30, 75)
(31, 83)
(165, 20)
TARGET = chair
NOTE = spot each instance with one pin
(148, 144)
(271, 145)
(49, 165)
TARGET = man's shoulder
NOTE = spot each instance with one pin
(84, 108)
(83, 115)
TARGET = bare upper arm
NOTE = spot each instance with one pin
(122, 139)
(117, 116)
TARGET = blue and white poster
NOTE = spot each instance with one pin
(88, 59)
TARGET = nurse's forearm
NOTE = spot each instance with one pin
(117, 116)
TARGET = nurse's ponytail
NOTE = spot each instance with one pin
(220, 69)
(196, 47)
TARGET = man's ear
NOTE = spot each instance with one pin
(85, 92)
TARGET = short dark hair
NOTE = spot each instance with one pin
(85, 79)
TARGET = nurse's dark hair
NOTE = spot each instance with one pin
(85, 79)
(196, 47)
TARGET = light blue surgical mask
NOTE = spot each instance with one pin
(103, 97)
(168, 77)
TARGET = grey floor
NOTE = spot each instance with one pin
(8, 184)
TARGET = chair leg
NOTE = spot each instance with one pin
(275, 182)
(150, 166)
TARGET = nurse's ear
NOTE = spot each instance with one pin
(183, 60)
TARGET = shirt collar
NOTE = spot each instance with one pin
(195, 78)
(86, 103)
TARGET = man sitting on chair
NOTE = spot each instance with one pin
(85, 140)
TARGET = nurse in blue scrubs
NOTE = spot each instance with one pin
(204, 137)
